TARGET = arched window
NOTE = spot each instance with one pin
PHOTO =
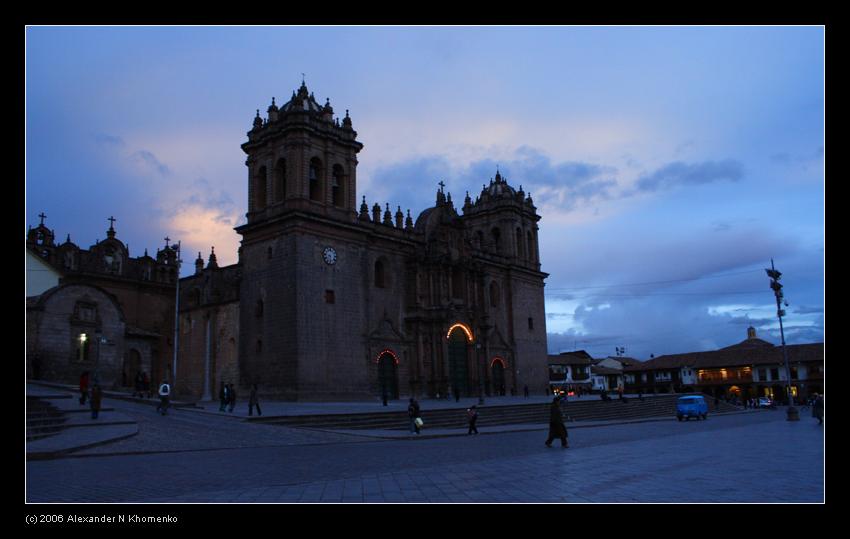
(260, 194)
(480, 239)
(520, 251)
(530, 246)
(280, 180)
(494, 294)
(497, 239)
(315, 179)
(337, 183)
(380, 274)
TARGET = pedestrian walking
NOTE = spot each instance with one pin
(472, 416)
(164, 396)
(94, 402)
(84, 387)
(557, 429)
(138, 384)
(223, 397)
(253, 401)
(232, 397)
(413, 413)
(817, 409)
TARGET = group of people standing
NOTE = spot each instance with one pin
(227, 399)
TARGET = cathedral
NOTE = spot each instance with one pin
(335, 300)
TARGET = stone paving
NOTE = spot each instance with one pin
(738, 458)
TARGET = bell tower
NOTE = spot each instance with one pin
(301, 158)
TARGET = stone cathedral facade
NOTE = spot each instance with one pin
(335, 300)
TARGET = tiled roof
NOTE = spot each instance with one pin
(604, 370)
(733, 356)
(570, 358)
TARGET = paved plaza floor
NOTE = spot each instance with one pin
(187, 457)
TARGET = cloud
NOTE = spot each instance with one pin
(679, 174)
(109, 140)
(148, 160)
(808, 310)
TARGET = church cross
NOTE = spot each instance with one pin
(42, 217)
(441, 184)
(167, 239)
(111, 221)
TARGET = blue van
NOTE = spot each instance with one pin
(691, 406)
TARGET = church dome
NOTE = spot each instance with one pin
(499, 188)
(303, 100)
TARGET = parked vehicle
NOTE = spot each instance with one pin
(765, 402)
(691, 406)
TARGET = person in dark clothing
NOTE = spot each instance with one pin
(139, 384)
(232, 397)
(253, 401)
(817, 409)
(525, 390)
(472, 415)
(223, 397)
(96, 396)
(164, 397)
(84, 387)
(413, 413)
(557, 429)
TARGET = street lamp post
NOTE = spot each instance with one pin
(793, 414)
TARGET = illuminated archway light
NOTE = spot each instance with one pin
(500, 360)
(387, 351)
(465, 330)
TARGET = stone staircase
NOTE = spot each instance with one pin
(586, 410)
(43, 419)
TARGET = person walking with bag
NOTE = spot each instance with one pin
(253, 401)
(557, 429)
(164, 394)
(413, 413)
(472, 415)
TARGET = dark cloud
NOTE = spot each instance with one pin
(679, 174)
(148, 159)
(807, 310)
(788, 159)
(109, 140)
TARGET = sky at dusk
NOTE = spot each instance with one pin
(669, 164)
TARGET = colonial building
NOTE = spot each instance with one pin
(751, 368)
(570, 372)
(106, 312)
(332, 301)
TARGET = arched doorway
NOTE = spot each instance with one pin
(388, 374)
(459, 340)
(497, 370)
(132, 366)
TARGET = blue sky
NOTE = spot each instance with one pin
(681, 157)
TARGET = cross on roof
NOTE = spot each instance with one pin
(42, 217)
(441, 184)
(111, 221)
(167, 239)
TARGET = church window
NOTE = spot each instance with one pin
(530, 247)
(337, 187)
(330, 297)
(380, 276)
(530, 323)
(497, 240)
(259, 308)
(480, 239)
(280, 180)
(315, 179)
(260, 195)
(494, 294)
